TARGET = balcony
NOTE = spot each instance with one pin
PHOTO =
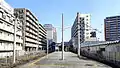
(31, 21)
(31, 40)
(31, 45)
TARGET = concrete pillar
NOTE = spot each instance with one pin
(34, 49)
(27, 49)
(31, 49)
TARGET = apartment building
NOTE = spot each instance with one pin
(83, 21)
(34, 35)
(7, 21)
(42, 37)
(112, 28)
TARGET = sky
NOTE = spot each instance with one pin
(49, 12)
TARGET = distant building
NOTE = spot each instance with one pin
(112, 28)
(51, 32)
(82, 20)
(54, 35)
(92, 36)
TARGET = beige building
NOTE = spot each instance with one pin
(30, 35)
(34, 35)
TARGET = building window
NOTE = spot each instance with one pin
(4, 16)
(10, 20)
(8, 25)
(7, 18)
(0, 32)
(19, 37)
(86, 29)
(86, 22)
(1, 14)
(1, 22)
(87, 33)
(87, 26)
(87, 37)
(1, 43)
(8, 34)
(86, 19)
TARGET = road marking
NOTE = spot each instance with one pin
(33, 63)
(95, 65)
(51, 64)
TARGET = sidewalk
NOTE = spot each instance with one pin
(70, 61)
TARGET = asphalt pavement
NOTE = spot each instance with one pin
(71, 60)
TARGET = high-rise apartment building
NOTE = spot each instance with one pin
(51, 32)
(82, 20)
(112, 28)
(30, 35)
(42, 36)
(7, 22)
(34, 35)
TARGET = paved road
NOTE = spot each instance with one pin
(70, 61)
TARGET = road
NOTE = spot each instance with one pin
(70, 61)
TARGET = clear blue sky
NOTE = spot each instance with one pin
(49, 11)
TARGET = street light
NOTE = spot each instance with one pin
(62, 40)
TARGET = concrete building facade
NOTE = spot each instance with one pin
(7, 21)
(51, 32)
(42, 37)
(82, 20)
(112, 28)
(30, 35)
(33, 33)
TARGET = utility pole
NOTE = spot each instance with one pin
(14, 46)
(47, 47)
(78, 21)
(62, 40)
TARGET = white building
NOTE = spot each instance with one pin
(7, 30)
(51, 32)
(82, 20)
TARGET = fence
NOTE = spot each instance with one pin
(21, 58)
